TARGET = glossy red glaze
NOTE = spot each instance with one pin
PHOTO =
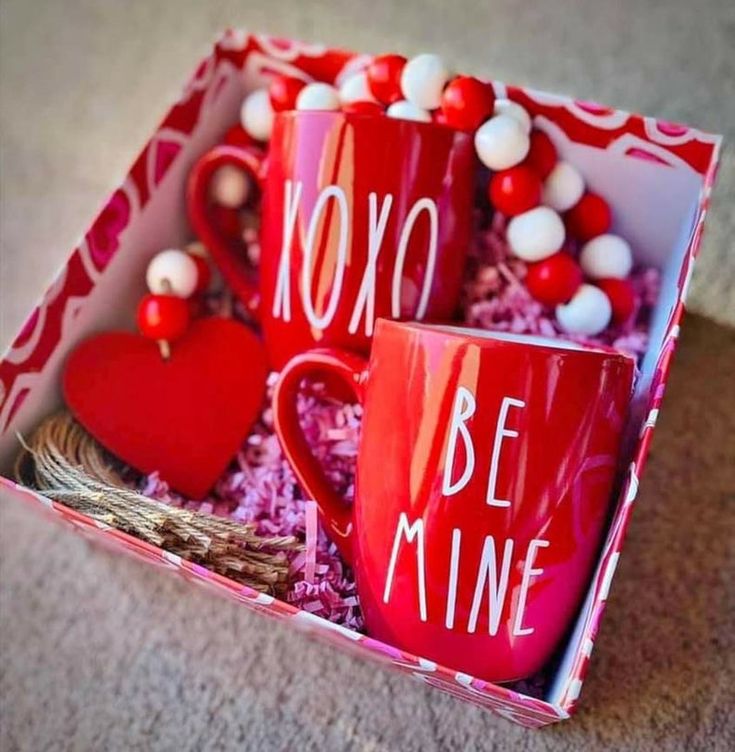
(542, 154)
(283, 91)
(163, 316)
(466, 103)
(515, 190)
(555, 279)
(588, 218)
(622, 297)
(554, 469)
(354, 156)
(384, 77)
(317, 286)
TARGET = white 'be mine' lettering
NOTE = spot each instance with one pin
(378, 216)
(492, 575)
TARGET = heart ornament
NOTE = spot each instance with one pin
(185, 416)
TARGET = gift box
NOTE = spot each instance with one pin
(657, 177)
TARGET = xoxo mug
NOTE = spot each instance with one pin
(484, 471)
(362, 216)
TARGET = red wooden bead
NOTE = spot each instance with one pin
(554, 280)
(163, 317)
(542, 154)
(384, 78)
(515, 190)
(466, 103)
(238, 136)
(588, 218)
(283, 92)
(204, 273)
(363, 108)
(622, 297)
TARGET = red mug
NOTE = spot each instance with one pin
(484, 473)
(363, 216)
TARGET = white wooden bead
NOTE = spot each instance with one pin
(423, 80)
(563, 187)
(404, 110)
(587, 313)
(256, 115)
(606, 256)
(172, 272)
(356, 89)
(318, 96)
(536, 234)
(230, 187)
(501, 142)
(507, 107)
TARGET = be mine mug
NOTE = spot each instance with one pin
(362, 216)
(484, 471)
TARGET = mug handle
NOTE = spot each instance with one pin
(351, 370)
(228, 258)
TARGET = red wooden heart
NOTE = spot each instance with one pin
(186, 416)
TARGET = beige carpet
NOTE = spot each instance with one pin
(97, 652)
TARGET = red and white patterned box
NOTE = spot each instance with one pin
(657, 176)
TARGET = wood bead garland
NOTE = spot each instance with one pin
(173, 277)
(164, 318)
(256, 115)
(514, 110)
(541, 153)
(588, 312)
(230, 187)
(238, 136)
(536, 234)
(283, 91)
(545, 198)
(554, 280)
(172, 272)
(589, 217)
(466, 102)
(405, 110)
(384, 78)
(622, 298)
(563, 187)
(501, 142)
(606, 256)
(318, 96)
(356, 89)
(515, 190)
(423, 79)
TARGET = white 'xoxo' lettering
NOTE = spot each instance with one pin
(364, 304)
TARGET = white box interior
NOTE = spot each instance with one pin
(654, 206)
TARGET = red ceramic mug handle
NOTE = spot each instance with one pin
(348, 368)
(228, 257)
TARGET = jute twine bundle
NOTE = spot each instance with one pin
(66, 464)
